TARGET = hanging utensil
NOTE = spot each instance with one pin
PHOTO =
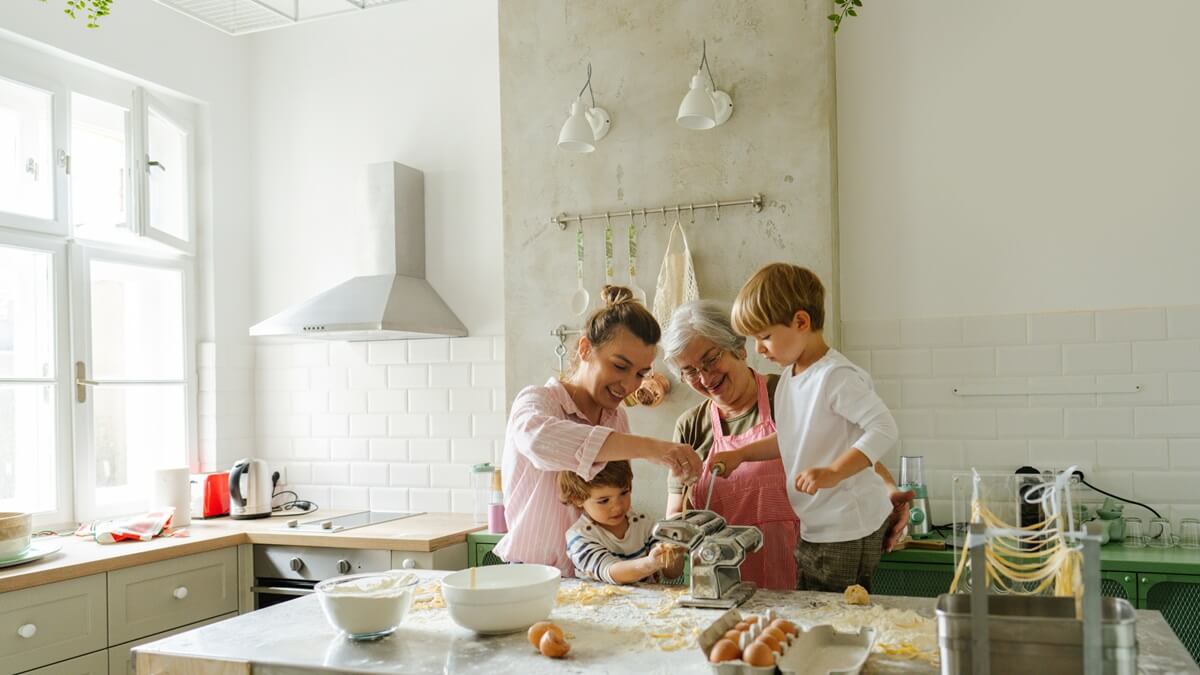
(638, 293)
(580, 299)
(608, 250)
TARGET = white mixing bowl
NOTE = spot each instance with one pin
(504, 599)
(367, 606)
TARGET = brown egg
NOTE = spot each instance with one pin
(759, 655)
(539, 629)
(732, 635)
(724, 650)
(751, 619)
(742, 626)
(776, 633)
(553, 645)
(770, 642)
(785, 626)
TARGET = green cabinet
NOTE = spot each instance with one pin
(479, 549)
(1119, 585)
(920, 580)
(1177, 596)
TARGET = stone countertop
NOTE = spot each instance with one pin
(81, 556)
(635, 629)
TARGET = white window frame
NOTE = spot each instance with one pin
(60, 123)
(80, 257)
(139, 128)
(63, 458)
(33, 67)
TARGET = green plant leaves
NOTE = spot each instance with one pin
(92, 9)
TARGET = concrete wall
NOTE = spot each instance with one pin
(774, 58)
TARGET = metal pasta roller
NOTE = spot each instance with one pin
(717, 552)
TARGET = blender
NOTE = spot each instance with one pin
(912, 477)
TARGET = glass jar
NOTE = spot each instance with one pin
(481, 487)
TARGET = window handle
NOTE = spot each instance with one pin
(81, 382)
(154, 163)
(31, 167)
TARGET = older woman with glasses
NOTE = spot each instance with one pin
(705, 351)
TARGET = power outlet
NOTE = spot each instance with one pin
(283, 481)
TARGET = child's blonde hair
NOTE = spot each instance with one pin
(773, 296)
(573, 489)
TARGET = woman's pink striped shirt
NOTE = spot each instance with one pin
(547, 434)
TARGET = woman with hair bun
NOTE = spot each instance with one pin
(575, 423)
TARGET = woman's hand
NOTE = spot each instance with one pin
(821, 477)
(729, 459)
(680, 458)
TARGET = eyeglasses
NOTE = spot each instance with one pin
(706, 366)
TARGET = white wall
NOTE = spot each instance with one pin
(414, 82)
(1003, 157)
(152, 43)
(1011, 176)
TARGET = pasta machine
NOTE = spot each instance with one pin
(717, 551)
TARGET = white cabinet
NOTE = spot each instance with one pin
(159, 596)
(449, 558)
(95, 663)
(120, 658)
(50, 623)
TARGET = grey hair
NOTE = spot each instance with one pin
(700, 318)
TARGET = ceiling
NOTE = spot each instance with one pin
(238, 17)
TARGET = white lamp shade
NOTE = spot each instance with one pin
(697, 110)
(577, 134)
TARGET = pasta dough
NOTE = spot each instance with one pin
(857, 595)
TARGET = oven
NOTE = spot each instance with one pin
(283, 573)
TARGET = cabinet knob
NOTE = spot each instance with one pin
(1128, 578)
(295, 564)
(408, 564)
(1145, 580)
(180, 593)
(343, 566)
(27, 631)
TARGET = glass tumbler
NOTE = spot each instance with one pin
(1160, 535)
(1135, 536)
(1189, 533)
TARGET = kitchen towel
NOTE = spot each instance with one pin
(676, 278)
(172, 488)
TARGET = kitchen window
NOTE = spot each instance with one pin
(97, 372)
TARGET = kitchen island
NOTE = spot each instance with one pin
(611, 630)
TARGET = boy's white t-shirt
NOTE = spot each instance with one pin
(819, 415)
(594, 550)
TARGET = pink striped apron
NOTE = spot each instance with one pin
(755, 494)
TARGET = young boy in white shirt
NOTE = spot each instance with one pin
(609, 542)
(832, 428)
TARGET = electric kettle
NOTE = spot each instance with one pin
(250, 489)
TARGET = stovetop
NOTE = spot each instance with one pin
(349, 521)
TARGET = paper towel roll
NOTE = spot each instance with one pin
(172, 487)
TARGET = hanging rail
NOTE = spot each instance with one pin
(563, 219)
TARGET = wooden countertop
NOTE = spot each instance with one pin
(81, 556)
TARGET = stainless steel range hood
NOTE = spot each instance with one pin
(397, 306)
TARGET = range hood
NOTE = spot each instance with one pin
(398, 305)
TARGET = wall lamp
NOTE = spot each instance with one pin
(704, 106)
(585, 126)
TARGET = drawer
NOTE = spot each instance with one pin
(50, 623)
(120, 658)
(451, 558)
(156, 597)
(95, 663)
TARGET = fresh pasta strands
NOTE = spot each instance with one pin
(1030, 560)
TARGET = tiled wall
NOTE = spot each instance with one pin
(1049, 391)
(382, 425)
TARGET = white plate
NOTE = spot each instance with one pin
(36, 551)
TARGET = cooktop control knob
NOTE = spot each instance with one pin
(296, 564)
(343, 566)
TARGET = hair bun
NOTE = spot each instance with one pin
(616, 295)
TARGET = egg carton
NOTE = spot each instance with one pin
(820, 649)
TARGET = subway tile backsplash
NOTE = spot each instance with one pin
(383, 425)
(1116, 391)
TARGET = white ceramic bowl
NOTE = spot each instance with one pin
(16, 531)
(367, 606)
(505, 598)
